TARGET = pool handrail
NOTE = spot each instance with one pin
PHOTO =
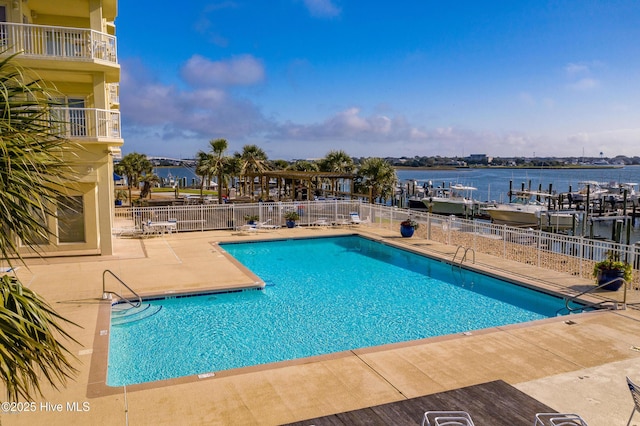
(568, 300)
(135, 304)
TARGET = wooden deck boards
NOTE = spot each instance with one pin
(494, 403)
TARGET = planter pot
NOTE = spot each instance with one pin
(291, 224)
(611, 275)
(406, 231)
(118, 202)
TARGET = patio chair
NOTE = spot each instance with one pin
(559, 419)
(321, 222)
(355, 218)
(447, 418)
(247, 228)
(266, 225)
(635, 394)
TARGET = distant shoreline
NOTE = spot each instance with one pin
(587, 167)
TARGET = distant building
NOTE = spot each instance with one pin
(477, 158)
(72, 45)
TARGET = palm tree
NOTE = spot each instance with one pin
(254, 163)
(378, 177)
(337, 162)
(304, 166)
(35, 172)
(205, 168)
(135, 167)
(219, 146)
(149, 180)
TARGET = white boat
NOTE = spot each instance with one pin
(516, 214)
(616, 192)
(588, 189)
(455, 200)
(528, 209)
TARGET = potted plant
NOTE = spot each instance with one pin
(612, 270)
(121, 195)
(291, 217)
(251, 218)
(407, 227)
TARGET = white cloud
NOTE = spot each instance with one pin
(349, 124)
(168, 112)
(584, 84)
(240, 70)
(573, 69)
(615, 141)
(581, 75)
(168, 119)
(322, 8)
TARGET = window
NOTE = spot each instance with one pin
(77, 117)
(71, 219)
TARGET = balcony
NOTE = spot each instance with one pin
(89, 123)
(76, 44)
(113, 91)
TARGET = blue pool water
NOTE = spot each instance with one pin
(323, 295)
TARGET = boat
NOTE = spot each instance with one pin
(619, 192)
(590, 189)
(528, 209)
(455, 200)
(516, 213)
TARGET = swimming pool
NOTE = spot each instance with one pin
(322, 295)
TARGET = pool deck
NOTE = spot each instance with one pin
(572, 366)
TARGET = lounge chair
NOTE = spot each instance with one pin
(447, 418)
(559, 419)
(355, 218)
(247, 228)
(126, 231)
(321, 222)
(266, 225)
(635, 394)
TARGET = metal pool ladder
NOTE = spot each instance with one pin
(464, 256)
(136, 303)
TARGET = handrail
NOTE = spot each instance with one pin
(456, 254)
(592, 289)
(104, 291)
(464, 255)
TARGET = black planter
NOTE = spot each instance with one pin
(406, 231)
(614, 277)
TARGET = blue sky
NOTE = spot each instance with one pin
(377, 78)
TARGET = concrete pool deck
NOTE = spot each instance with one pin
(577, 366)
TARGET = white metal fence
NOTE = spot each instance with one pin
(562, 253)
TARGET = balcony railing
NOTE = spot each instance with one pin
(58, 42)
(113, 89)
(86, 123)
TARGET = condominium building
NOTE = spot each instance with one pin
(72, 45)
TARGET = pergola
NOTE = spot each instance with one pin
(294, 184)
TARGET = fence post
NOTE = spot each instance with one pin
(504, 241)
(539, 247)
